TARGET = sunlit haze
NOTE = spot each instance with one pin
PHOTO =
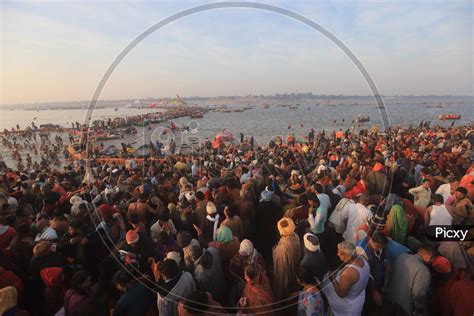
(58, 51)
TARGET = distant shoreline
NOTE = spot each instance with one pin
(82, 104)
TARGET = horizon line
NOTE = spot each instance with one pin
(277, 95)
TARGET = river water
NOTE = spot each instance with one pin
(262, 123)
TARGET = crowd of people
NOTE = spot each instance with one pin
(332, 224)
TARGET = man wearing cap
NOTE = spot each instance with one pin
(112, 225)
(105, 197)
(286, 258)
(314, 260)
(136, 249)
(212, 222)
(267, 215)
(377, 183)
(246, 255)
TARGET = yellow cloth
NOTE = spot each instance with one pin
(180, 165)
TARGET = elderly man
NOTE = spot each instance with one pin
(286, 257)
(345, 289)
(410, 281)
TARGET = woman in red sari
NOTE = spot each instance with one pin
(256, 298)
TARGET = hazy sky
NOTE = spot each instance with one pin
(58, 51)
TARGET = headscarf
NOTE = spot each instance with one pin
(266, 196)
(288, 229)
(224, 234)
(246, 247)
(8, 299)
(441, 264)
(211, 209)
(399, 224)
(52, 276)
(311, 242)
(377, 167)
(106, 210)
(132, 237)
(173, 255)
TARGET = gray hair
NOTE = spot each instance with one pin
(347, 248)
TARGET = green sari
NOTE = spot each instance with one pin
(399, 224)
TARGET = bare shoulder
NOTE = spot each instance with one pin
(358, 262)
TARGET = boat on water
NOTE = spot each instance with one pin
(142, 123)
(109, 136)
(129, 130)
(50, 126)
(362, 119)
(445, 117)
(266, 106)
(110, 151)
(156, 120)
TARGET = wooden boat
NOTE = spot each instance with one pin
(110, 151)
(109, 136)
(130, 130)
(362, 119)
(73, 152)
(445, 117)
(50, 126)
(142, 123)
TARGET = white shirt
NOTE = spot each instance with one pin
(440, 216)
(195, 170)
(358, 214)
(47, 234)
(445, 191)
